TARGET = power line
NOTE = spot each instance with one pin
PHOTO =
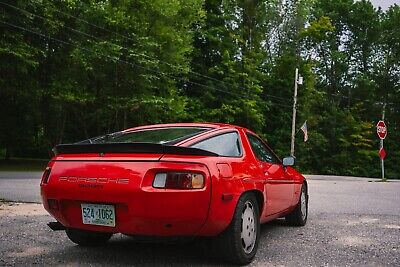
(359, 99)
(127, 49)
(74, 45)
(118, 60)
(144, 55)
(94, 52)
(93, 25)
(102, 39)
(149, 57)
(148, 69)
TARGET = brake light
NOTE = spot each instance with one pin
(46, 175)
(178, 180)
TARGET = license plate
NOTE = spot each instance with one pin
(98, 214)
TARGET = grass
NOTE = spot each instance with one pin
(20, 164)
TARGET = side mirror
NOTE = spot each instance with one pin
(288, 161)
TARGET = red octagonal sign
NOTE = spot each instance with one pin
(381, 129)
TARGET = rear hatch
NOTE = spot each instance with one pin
(98, 176)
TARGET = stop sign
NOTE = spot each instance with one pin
(381, 129)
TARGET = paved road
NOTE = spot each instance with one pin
(329, 194)
(351, 195)
(20, 186)
(353, 222)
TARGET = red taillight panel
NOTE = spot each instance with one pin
(179, 180)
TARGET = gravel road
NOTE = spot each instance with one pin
(353, 222)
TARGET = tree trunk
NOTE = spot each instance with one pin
(62, 129)
(7, 156)
(125, 119)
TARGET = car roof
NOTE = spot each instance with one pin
(211, 125)
(214, 127)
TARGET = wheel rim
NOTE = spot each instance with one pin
(303, 204)
(249, 233)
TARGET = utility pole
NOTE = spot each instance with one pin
(296, 78)
(381, 146)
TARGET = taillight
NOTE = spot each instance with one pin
(178, 180)
(46, 175)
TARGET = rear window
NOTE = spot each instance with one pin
(226, 145)
(261, 151)
(166, 135)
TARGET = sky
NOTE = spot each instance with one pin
(384, 4)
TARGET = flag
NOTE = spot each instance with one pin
(304, 129)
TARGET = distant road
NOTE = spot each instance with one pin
(20, 186)
(21, 175)
(353, 195)
(328, 194)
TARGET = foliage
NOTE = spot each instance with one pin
(74, 69)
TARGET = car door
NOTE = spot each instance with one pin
(279, 185)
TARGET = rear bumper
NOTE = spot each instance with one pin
(140, 209)
(149, 214)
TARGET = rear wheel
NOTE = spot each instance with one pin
(239, 242)
(299, 215)
(87, 238)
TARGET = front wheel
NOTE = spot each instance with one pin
(87, 238)
(299, 215)
(239, 242)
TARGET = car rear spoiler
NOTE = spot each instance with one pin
(145, 148)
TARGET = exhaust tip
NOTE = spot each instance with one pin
(56, 226)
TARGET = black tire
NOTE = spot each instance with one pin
(230, 244)
(298, 217)
(87, 238)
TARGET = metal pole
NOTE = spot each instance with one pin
(382, 164)
(382, 160)
(296, 77)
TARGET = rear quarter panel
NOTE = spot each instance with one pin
(225, 190)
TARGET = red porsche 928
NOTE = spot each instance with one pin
(173, 180)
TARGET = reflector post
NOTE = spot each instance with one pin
(46, 175)
(53, 204)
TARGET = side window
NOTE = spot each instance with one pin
(261, 151)
(227, 145)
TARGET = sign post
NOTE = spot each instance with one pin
(298, 80)
(381, 130)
